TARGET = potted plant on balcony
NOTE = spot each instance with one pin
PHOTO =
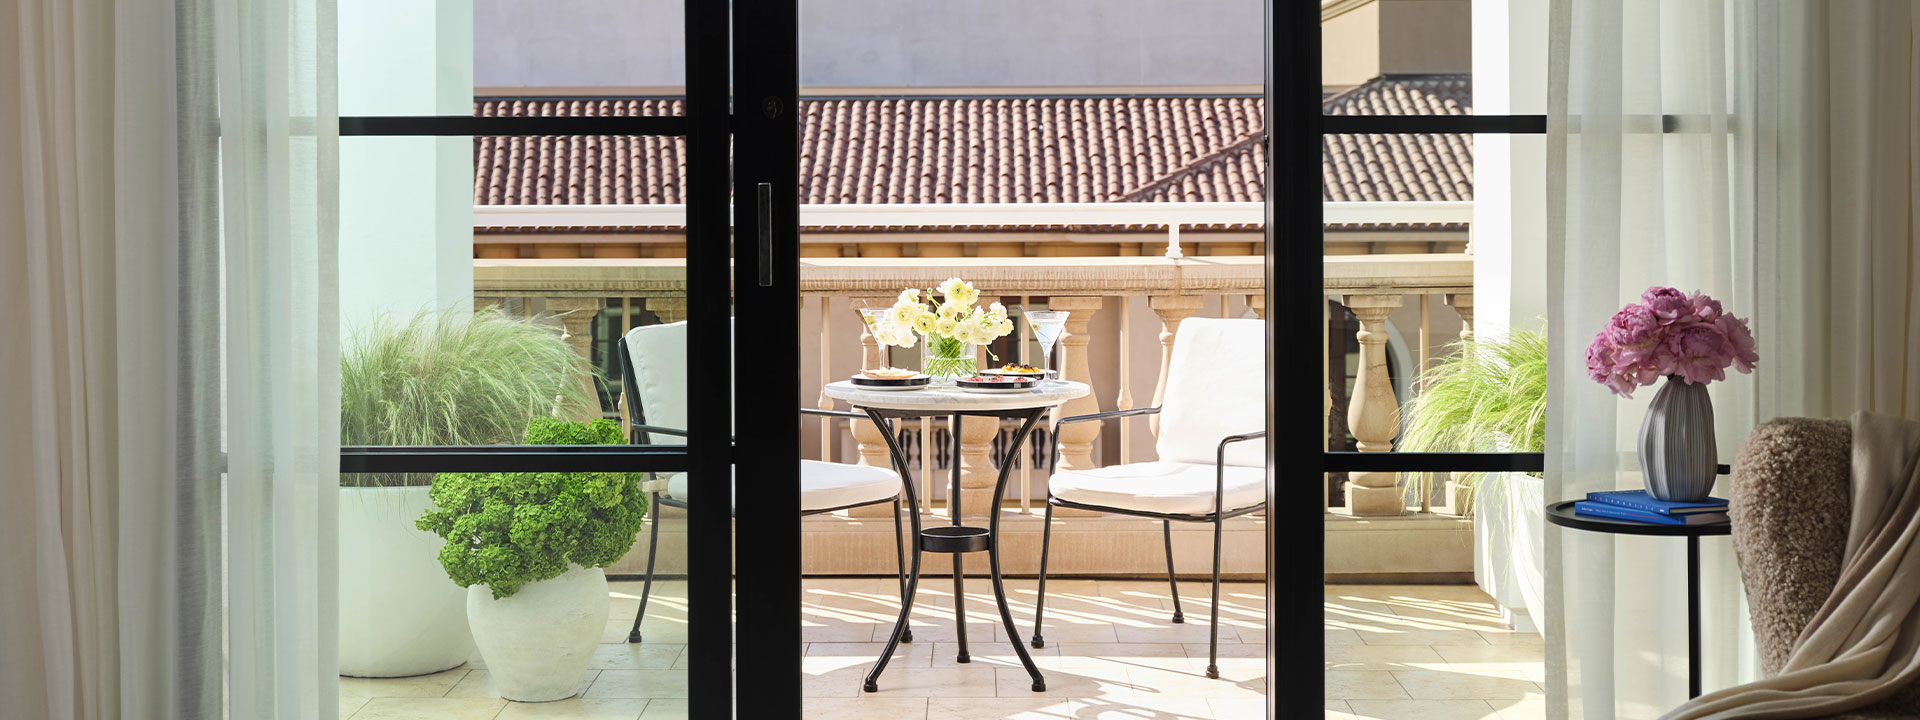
(438, 379)
(1491, 395)
(530, 548)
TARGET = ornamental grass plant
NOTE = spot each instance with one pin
(1490, 394)
(505, 530)
(442, 378)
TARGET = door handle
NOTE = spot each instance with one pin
(765, 216)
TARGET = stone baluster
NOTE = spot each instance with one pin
(1076, 440)
(1075, 443)
(1373, 415)
(668, 309)
(1462, 304)
(873, 445)
(1459, 493)
(576, 317)
(1172, 309)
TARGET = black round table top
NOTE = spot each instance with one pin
(1562, 514)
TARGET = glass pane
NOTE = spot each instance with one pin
(476, 318)
(1040, 151)
(456, 58)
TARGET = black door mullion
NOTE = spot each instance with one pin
(709, 372)
(1295, 677)
(766, 285)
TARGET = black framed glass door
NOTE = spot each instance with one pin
(654, 327)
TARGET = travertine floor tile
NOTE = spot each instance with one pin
(1422, 709)
(1455, 685)
(1035, 708)
(575, 709)
(402, 708)
(865, 706)
(1364, 685)
(649, 684)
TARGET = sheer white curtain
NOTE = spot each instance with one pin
(1764, 152)
(157, 316)
(1643, 191)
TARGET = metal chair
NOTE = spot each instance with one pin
(653, 358)
(1211, 402)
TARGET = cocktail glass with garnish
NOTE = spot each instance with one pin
(1048, 326)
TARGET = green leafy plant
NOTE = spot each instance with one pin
(443, 378)
(1490, 394)
(505, 530)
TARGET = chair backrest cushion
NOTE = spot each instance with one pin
(658, 358)
(1790, 504)
(1216, 386)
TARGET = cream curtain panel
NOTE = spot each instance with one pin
(1642, 192)
(168, 411)
(1763, 152)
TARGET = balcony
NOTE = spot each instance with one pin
(1126, 313)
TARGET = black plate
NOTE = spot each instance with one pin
(890, 382)
(1019, 384)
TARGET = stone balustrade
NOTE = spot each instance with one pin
(1101, 292)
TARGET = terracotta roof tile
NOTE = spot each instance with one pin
(999, 150)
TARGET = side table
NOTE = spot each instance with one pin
(1562, 514)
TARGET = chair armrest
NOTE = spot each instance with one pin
(1220, 466)
(1054, 462)
(634, 431)
(832, 413)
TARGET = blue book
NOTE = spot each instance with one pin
(1616, 512)
(1640, 500)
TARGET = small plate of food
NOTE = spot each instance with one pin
(995, 384)
(890, 379)
(1012, 370)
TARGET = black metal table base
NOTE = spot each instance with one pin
(956, 539)
(1563, 514)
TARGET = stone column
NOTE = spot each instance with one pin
(1257, 302)
(1373, 415)
(1076, 440)
(1463, 305)
(1172, 309)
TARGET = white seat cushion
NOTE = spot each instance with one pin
(824, 485)
(1160, 487)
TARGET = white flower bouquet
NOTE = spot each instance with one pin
(952, 326)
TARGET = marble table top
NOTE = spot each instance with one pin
(948, 398)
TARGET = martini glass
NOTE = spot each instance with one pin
(1048, 326)
(872, 316)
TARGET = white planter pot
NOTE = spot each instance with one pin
(1509, 561)
(539, 641)
(399, 614)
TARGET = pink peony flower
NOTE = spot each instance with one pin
(1669, 333)
(1745, 352)
(1634, 332)
(1700, 353)
(1705, 308)
(1667, 303)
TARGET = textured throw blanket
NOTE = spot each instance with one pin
(1864, 643)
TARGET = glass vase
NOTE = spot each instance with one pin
(1678, 457)
(948, 358)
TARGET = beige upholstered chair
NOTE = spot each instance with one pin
(1790, 507)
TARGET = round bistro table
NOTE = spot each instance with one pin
(884, 406)
(1562, 514)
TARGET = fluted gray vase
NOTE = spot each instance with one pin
(1677, 453)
